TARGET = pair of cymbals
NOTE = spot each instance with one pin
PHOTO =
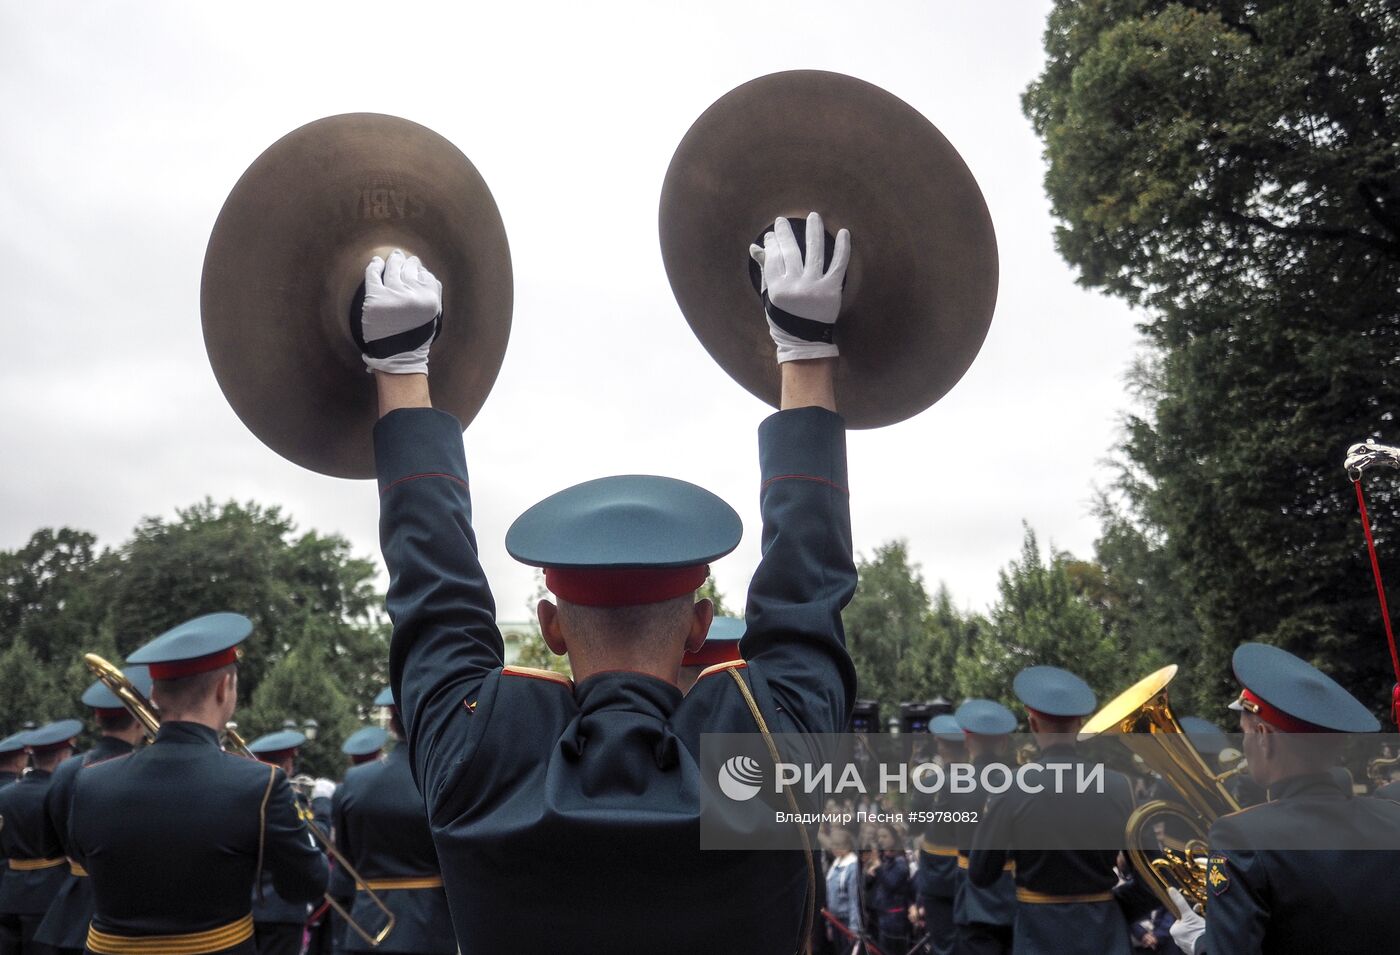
(288, 251)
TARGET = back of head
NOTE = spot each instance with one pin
(647, 638)
(189, 697)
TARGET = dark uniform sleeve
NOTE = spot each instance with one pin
(994, 824)
(53, 831)
(445, 638)
(342, 887)
(1237, 914)
(794, 639)
(297, 867)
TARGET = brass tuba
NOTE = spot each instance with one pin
(1143, 720)
(139, 707)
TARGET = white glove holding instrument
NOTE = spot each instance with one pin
(323, 789)
(401, 316)
(801, 297)
(1189, 927)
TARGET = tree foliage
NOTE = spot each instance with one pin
(319, 643)
(904, 645)
(1231, 167)
(1044, 616)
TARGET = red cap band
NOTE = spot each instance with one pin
(108, 712)
(712, 652)
(1278, 719)
(364, 758)
(590, 587)
(178, 668)
(276, 755)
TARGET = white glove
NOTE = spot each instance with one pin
(323, 789)
(801, 300)
(402, 314)
(1188, 927)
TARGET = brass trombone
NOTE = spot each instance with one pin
(145, 713)
(1144, 722)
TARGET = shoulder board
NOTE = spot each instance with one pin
(720, 667)
(537, 674)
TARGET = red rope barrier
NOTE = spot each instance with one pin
(1380, 593)
(841, 927)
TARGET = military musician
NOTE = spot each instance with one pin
(35, 872)
(176, 835)
(65, 925)
(381, 826)
(984, 911)
(1064, 892)
(1290, 875)
(589, 788)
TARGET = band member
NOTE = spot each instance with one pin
(34, 877)
(65, 925)
(382, 828)
(938, 878)
(175, 836)
(13, 760)
(278, 923)
(721, 646)
(14, 757)
(1064, 892)
(365, 745)
(984, 912)
(1292, 875)
(594, 786)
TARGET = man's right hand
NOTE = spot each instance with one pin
(401, 316)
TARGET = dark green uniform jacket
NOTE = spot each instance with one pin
(1065, 902)
(1279, 901)
(66, 924)
(382, 828)
(173, 834)
(566, 818)
(28, 891)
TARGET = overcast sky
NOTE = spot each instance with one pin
(124, 125)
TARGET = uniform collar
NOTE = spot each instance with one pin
(107, 746)
(180, 731)
(630, 691)
(1312, 784)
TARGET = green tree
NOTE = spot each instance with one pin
(1231, 167)
(903, 647)
(51, 612)
(303, 686)
(710, 591)
(308, 597)
(1041, 618)
(248, 558)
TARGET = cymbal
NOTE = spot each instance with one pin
(288, 254)
(922, 282)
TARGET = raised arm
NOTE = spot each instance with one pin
(795, 640)
(445, 639)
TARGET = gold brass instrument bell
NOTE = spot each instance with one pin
(145, 713)
(1142, 719)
